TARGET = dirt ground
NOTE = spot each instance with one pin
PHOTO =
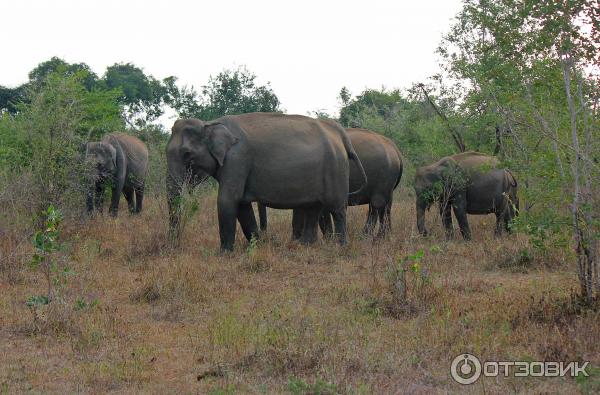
(138, 316)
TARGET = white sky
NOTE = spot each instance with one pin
(307, 49)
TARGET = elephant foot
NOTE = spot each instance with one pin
(226, 249)
(308, 241)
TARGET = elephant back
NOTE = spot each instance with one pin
(133, 148)
(475, 162)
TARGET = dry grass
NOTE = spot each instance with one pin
(282, 317)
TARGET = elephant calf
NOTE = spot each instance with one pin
(469, 183)
(121, 161)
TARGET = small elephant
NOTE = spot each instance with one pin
(382, 162)
(282, 161)
(469, 183)
(121, 161)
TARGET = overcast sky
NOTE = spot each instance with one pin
(307, 49)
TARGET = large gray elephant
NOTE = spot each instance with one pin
(382, 162)
(121, 161)
(468, 183)
(282, 161)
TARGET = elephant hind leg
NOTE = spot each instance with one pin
(371, 220)
(129, 196)
(385, 220)
(339, 221)
(139, 198)
(325, 224)
(311, 219)
(245, 216)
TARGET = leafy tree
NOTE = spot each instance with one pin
(142, 96)
(41, 143)
(235, 92)
(523, 66)
(408, 120)
(10, 97)
(39, 74)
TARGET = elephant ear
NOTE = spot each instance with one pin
(113, 154)
(220, 140)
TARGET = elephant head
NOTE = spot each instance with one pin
(101, 162)
(425, 179)
(436, 183)
(195, 151)
(101, 158)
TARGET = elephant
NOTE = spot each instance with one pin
(281, 161)
(121, 161)
(469, 183)
(382, 162)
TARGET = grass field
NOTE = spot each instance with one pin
(280, 317)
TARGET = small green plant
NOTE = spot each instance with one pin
(409, 274)
(320, 387)
(46, 245)
(252, 246)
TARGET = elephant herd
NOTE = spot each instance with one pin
(313, 166)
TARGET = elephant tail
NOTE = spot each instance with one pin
(351, 154)
(355, 157)
(400, 172)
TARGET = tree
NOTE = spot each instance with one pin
(10, 97)
(142, 96)
(44, 138)
(39, 74)
(524, 66)
(235, 92)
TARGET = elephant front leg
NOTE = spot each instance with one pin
(129, 196)
(446, 214)
(460, 211)
(139, 198)
(89, 201)
(297, 223)
(247, 221)
(421, 216)
(227, 210)
(262, 215)
(500, 219)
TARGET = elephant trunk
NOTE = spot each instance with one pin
(90, 198)
(421, 207)
(174, 192)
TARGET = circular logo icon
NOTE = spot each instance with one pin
(465, 369)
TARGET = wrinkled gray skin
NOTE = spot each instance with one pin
(120, 161)
(382, 162)
(282, 161)
(470, 183)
